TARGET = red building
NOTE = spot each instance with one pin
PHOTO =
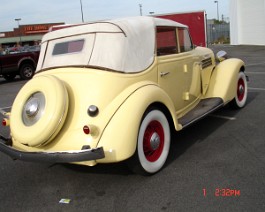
(196, 21)
(25, 34)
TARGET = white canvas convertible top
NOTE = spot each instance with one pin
(125, 45)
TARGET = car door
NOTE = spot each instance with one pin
(178, 69)
(10, 62)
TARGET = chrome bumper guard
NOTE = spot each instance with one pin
(51, 157)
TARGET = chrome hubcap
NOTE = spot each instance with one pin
(32, 107)
(155, 141)
(241, 89)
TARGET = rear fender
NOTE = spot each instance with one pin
(27, 60)
(119, 138)
(223, 82)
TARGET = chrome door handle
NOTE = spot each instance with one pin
(162, 74)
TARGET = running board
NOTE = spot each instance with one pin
(204, 107)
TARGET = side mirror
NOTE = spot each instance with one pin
(221, 56)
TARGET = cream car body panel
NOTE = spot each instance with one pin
(223, 79)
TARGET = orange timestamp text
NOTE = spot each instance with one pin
(223, 192)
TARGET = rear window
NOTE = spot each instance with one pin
(68, 47)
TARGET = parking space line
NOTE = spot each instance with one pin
(256, 89)
(255, 64)
(4, 108)
(252, 72)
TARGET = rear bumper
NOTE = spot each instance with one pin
(51, 157)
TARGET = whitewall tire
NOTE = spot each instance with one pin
(153, 143)
(241, 93)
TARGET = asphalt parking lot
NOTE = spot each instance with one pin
(218, 164)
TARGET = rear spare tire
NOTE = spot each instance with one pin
(39, 111)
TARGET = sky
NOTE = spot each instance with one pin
(69, 11)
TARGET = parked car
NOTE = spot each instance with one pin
(110, 91)
(22, 63)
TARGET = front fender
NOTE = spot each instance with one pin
(119, 138)
(223, 82)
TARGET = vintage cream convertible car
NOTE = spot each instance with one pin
(114, 90)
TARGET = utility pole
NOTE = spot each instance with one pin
(19, 19)
(141, 12)
(217, 10)
(82, 11)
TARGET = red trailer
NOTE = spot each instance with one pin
(195, 20)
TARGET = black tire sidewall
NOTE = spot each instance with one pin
(22, 71)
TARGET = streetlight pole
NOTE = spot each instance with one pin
(217, 10)
(141, 12)
(19, 19)
(82, 11)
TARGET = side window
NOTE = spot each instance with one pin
(166, 41)
(185, 43)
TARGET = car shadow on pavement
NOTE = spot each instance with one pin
(199, 131)
(181, 142)
(110, 169)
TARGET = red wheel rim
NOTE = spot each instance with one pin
(240, 89)
(153, 142)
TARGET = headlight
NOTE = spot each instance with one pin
(221, 56)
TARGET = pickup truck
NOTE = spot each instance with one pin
(20, 63)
